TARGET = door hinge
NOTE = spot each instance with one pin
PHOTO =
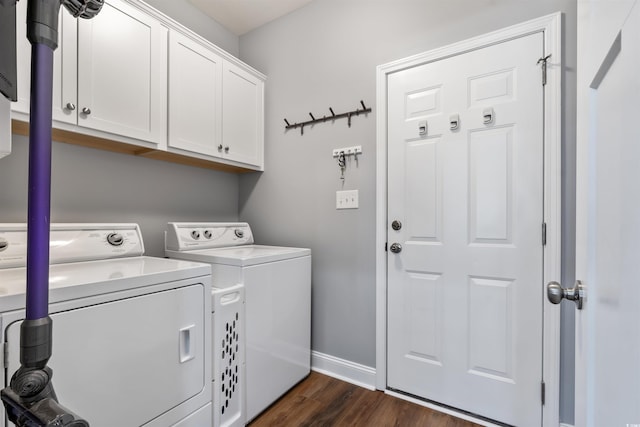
(543, 61)
(542, 392)
(544, 234)
(385, 246)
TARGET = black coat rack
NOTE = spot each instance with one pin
(332, 117)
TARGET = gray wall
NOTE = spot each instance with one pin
(89, 185)
(325, 55)
(185, 13)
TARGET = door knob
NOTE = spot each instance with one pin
(555, 293)
(396, 248)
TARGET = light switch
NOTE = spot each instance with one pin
(347, 199)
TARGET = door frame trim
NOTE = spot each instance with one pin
(551, 26)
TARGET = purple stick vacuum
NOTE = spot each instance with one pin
(30, 399)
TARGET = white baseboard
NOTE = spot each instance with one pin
(345, 370)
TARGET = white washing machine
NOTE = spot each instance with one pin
(277, 286)
(131, 333)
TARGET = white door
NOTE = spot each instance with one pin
(65, 73)
(242, 116)
(126, 362)
(122, 73)
(608, 215)
(465, 182)
(195, 91)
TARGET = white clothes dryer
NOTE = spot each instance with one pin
(131, 333)
(277, 286)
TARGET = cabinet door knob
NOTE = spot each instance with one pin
(86, 111)
(226, 149)
(70, 106)
(220, 147)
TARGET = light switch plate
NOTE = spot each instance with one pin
(347, 199)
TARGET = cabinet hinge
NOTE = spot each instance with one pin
(544, 234)
(542, 392)
(543, 61)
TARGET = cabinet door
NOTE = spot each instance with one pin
(65, 69)
(5, 127)
(122, 73)
(243, 115)
(195, 79)
(143, 356)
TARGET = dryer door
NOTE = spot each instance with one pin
(126, 362)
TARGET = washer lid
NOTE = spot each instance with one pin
(83, 279)
(242, 255)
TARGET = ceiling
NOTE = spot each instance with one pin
(242, 16)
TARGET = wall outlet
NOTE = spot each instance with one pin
(347, 199)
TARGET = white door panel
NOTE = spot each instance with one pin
(126, 362)
(65, 71)
(465, 293)
(195, 86)
(137, 108)
(242, 118)
(608, 229)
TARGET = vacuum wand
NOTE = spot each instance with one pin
(30, 399)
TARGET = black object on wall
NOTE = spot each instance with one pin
(8, 86)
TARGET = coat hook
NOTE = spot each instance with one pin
(349, 119)
(362, 103)
(302, 129)
(287, 122)
(332, 113)
(312, 118)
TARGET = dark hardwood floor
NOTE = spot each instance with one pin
(321, 401)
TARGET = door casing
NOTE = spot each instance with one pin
(550, 25)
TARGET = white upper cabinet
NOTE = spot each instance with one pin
(133, 77)
(242, 115)
(216, 107)
(122, 73)
(65, 70)
(109, 73)
(195, 100)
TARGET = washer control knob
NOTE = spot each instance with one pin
(115, 239)
(195, 234)
(3, 244)
(239, 233)
(207, 234)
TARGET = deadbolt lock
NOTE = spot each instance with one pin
(396, 225)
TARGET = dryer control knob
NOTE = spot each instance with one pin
(195, 234)
(115, 239)
(207, 234)
(4, 244)
(239, 233)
